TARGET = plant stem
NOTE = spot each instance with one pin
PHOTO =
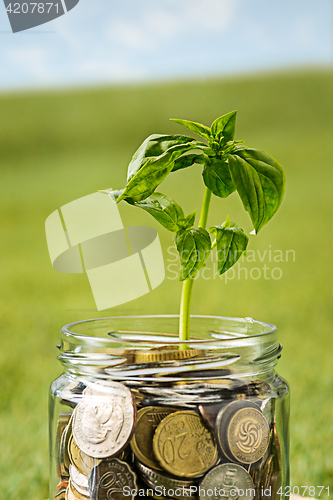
(205, 208)
(185, 308)
(185, 302)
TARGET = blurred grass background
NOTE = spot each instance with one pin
(59, 146)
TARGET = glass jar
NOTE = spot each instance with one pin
(139, 413)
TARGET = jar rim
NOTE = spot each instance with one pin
(171, 338)
(119, 346)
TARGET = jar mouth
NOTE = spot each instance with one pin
(148, 348)
(233, 329)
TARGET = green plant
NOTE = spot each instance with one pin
(228, 166)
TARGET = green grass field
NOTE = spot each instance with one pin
(59, 146)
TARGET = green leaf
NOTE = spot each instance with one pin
(194, 247)
(260, 182)
(228, 223)
(155, 145)
(153, 172)
(188, 221)
(165, 210)
(113, 193)
(225, 126)
(231, 244)
(187, 161)
(217, 177)
(198, 128)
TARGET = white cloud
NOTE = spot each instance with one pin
(210, 15)
(162, 24)
(171, 20)
(130, 35)
(141, 39)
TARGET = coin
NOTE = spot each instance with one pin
(180, 488)
(103, 422)
(222, 420)
(62, 485)
(224, 384)
(69, 495)
(260, 387)
(248, 435)
(277, 446)
(123, 455)
(71, 394)
(63, 450)
(60, 495)
(275, 485)
(230, 481)
(156, 496)
(183, 445)
(166, 353)
(142, 440)
(79, 481)
(267, 473)
(256, 472)
(73, 494)
(83, 463)
(255, 475)
(112, 479)
(243, 432)
(61, 426)
(209, 413)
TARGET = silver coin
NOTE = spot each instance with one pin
(227, 481)
(164, 478)
(112, 480)
(80, 481)
(178, 488)
(103, 422)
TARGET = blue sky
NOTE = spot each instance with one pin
(103, 41)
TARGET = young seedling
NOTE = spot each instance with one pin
(228, 166)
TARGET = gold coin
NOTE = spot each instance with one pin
(61, 426)
(73, 494)
(243, 432)
(275, 485)
(63, 451)
(142, 441)
(248, 435)
(277, 446)
(157, 497)
(267, 472)
(61, 494)
(82, 462)
(183, 445)
(166, 353)
(255, 474)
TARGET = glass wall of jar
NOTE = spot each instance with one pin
(139, 413)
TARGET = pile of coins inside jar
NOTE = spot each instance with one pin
(117, 445)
